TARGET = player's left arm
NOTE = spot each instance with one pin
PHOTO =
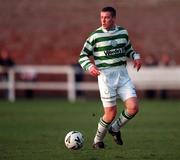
(130, 53)
(137, 61)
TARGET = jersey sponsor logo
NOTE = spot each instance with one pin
(114, 51)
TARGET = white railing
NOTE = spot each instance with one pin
(12, 84)
(156, 77)
(146, 78)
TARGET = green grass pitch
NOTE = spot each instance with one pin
(35, 130)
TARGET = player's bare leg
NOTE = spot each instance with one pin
(131, 109)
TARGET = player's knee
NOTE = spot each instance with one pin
(109, 118)
(109, 115)
(133, 109)
(132, 106)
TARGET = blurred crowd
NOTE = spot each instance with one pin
(150, 60)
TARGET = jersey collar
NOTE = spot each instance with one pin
(110, 31)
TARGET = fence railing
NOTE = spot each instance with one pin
(146, 78)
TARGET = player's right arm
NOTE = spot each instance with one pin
(84, 59)
(94, 71)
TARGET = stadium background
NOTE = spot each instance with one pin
(53, 32)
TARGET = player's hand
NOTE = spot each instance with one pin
(94, 71)
(137, 64)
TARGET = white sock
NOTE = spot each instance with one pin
(101, 131)
(121, 121)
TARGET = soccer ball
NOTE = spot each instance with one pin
(74, 140)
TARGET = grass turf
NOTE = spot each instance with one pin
(35, 130)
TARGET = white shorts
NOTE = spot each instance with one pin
(115, 82)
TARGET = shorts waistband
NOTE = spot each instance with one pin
(114, 67)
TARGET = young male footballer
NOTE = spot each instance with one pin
(110, 46)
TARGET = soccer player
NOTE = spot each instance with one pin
(110, 46)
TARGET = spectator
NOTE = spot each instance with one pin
(165, 61)
(6, 62)
(79, 75)
(29, 75)
(151, 61)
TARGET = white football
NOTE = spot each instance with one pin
(74, 140)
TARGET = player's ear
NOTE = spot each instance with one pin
(114, 19)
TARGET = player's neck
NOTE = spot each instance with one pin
(110, 28)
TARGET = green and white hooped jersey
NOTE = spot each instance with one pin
(108, 48)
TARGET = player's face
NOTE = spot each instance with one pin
(107, 20)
